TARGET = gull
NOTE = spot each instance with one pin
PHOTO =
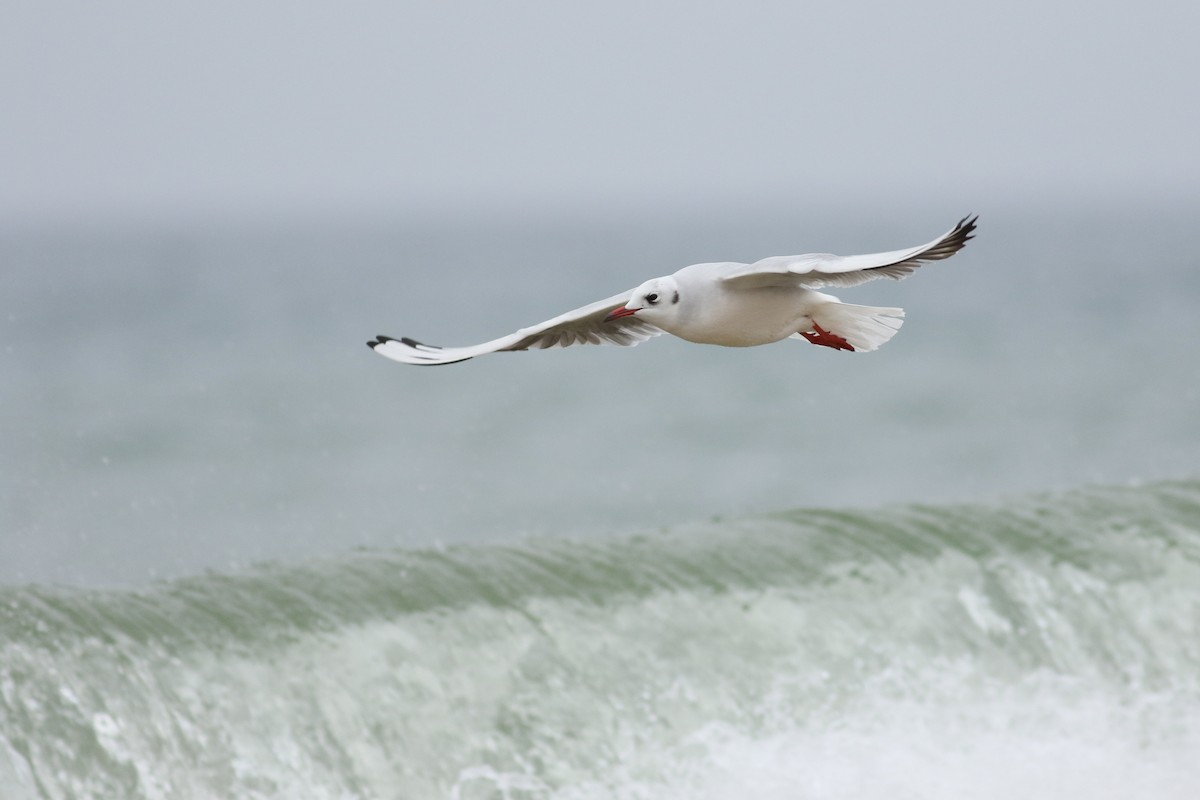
(727, 304)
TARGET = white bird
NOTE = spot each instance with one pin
(729, 304)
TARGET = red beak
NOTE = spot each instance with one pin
(617, 313)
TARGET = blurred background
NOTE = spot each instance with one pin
(243, 556)
(206, 211)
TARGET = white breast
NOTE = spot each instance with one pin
(713, 313)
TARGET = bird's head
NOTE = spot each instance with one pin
(656, 301)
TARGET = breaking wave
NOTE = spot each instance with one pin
(1044, 647)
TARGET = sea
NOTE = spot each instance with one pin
(242, 556)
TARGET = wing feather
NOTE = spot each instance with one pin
(584, 325)
(814, 270)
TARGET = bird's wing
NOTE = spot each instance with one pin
(584, 325)
(825, 269)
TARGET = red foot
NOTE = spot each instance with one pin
(819, 335)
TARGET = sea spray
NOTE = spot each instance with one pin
(1043, 647)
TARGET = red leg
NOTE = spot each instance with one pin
(819, 335)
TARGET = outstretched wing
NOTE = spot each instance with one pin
(584, 325)
(814, 270)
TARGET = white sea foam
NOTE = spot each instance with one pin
(1046, 737)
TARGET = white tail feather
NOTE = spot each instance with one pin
(864, 327)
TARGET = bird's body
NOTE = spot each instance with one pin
(728, 304)
(740, 317)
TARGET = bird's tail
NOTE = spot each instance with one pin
(865, 328)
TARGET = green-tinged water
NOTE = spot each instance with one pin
(242, 556)
(1043, 647)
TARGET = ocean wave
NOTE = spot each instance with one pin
(664, 664)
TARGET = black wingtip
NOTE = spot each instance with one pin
(964, 231)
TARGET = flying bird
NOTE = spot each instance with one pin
(728, 304)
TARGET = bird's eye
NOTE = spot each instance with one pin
(652, 298)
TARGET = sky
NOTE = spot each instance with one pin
(150, 110)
